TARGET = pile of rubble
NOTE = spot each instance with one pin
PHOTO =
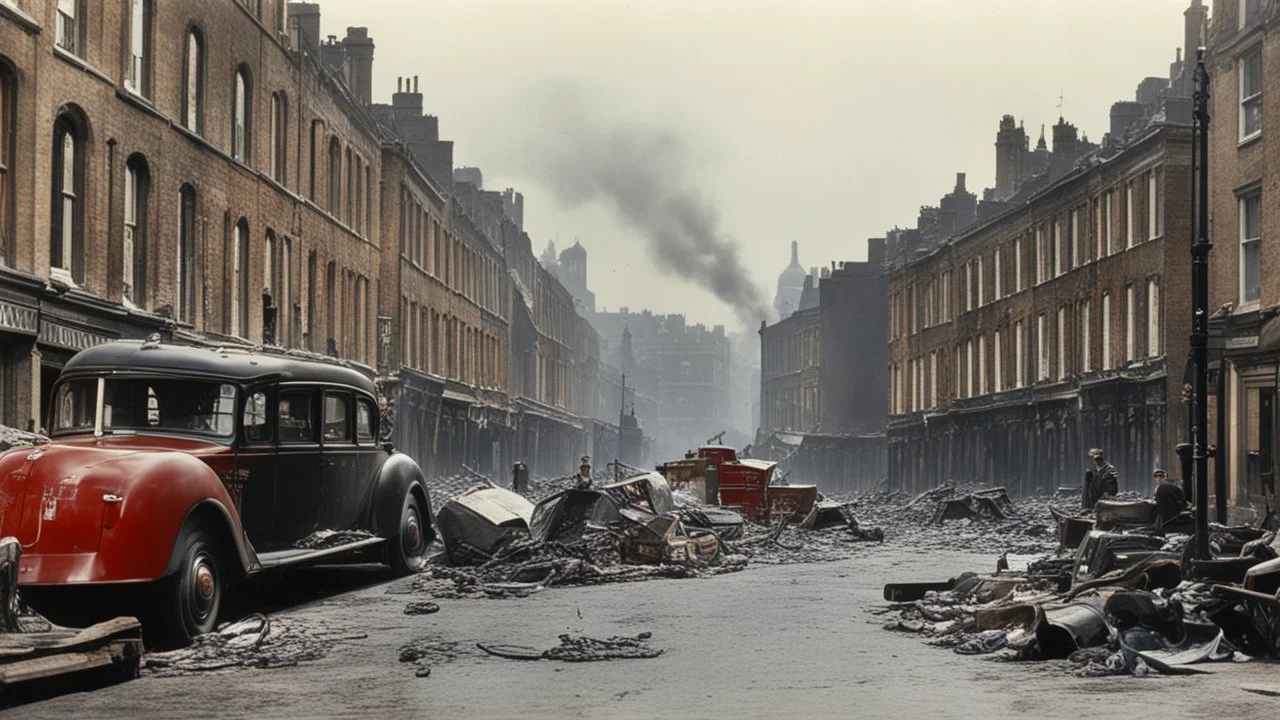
(11, 437)
(1128, 600)
(255, 641)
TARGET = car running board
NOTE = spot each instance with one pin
(300, 556)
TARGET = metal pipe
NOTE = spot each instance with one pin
(1200, 248)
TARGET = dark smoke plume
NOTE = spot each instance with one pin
(643, 174)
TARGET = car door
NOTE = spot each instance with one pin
(340, 498)
(252, 487)
(297, 466)
(370, 454)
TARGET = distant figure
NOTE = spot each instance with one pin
(1170, 500)
(584, 473)
(1100, 482)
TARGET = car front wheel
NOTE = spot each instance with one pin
(191, 597)
(408, 554)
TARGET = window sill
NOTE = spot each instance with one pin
(1251, 139)
(27, 22)
(1245, 307)
(75, 60)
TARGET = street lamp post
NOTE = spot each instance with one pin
(1200, 247)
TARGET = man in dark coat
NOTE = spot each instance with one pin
(1100, 482)
(1170, 500)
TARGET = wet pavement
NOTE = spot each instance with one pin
(771, 641)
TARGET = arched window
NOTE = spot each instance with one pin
(346, 216)
(240, 280)
(186, 285)
(193, 83)
(138, 75)
(330, 291)
(8, 101)
(335, 176)
(309, 302)
(241, 116)
(317, 137)
(67, 256)
(279, 135)
(269, 264)
(133, 271)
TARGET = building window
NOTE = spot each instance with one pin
(269, 250)
(279, 136)
(968, 368)
(1106, 331)
(330, 320)
(186, 276)
(997, 364)
(1097, 228)
(335, 176)
(1042, 256)
(1085, 317)
(1250, 248)
(1017, 264)
(1128, 216)
(1251, 94)
(1075, 239)
(1062, 343)
(67, 258)
(240, 293)
(1153, 318)
(1130, 314)
(982, 364)
(193, 83)
(346, 215)
(999, 283)
(1042, 348)
(139, 75)
(68, 29)
(241, 117)
(133, 271)
(8, 98)
(1057, 248)
(1153, 206)
(982, 292)
(1107, 203)
(968, 286)
(1019, 361)
(933, 379)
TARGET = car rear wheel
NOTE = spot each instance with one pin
(191, 597)
(408, 553)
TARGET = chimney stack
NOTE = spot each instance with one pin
(304, 26)
(358, 47)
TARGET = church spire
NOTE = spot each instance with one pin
(795, 254)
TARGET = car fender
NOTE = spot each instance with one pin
(398, 475)
(172, 489)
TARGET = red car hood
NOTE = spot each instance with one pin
(52, 496)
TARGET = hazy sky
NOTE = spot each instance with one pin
(819, 121)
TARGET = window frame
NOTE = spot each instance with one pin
(68, 241)
(137, 211)
(69, 29)
(314, 409)
(1246, 102)
(138, 67)
(242, 115)
(347, 422)
(8, 134)
(188, 213)
(1247, 244)
(193, 74)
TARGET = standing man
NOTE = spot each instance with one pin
(1170, 500)
(1100, 482)
(584, 473)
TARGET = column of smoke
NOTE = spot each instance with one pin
(642, 174)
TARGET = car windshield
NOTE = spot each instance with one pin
(160, 404)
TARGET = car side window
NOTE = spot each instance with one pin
(364, 421)
(257, 426)
(336, 428)
(297, 424)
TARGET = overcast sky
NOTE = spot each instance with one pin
(821, 121)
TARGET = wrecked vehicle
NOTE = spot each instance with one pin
(475, 525)
(180, 468)
(641, 509)
(717, 476)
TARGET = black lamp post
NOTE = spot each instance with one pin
(1200, 247)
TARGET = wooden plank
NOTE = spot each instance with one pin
(52, 665)
(14, 645)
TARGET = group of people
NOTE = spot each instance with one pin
(1103, 482)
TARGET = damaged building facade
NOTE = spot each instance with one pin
(822, 376)
(278, 205)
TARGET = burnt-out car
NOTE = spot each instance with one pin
(180, 470)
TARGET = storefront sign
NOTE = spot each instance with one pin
(1242, 342)
(52, 333)
(17, 318)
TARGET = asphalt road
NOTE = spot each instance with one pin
(768, 642)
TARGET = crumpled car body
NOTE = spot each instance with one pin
(475, 525)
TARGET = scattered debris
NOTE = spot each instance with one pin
(580, 649)
(421, 608)
(325, 539)
(475, 525)
(254, 642)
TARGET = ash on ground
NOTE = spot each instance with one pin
(252, 642)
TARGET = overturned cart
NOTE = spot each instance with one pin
(32, 649)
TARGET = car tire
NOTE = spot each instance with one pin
(407, 553)
(190, 598)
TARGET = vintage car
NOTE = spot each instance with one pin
(181, 469)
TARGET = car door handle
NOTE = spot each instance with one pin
(328, 463)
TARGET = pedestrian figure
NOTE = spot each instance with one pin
(1100, 482)
(1170, 500)
(584, 474)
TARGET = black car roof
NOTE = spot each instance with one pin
(237, 364)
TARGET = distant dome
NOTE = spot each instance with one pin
(790, 284)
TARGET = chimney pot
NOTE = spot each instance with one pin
(415, 83)
(399, 84)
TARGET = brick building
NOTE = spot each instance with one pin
(1244, 69)
(790, 380)
(217, 172)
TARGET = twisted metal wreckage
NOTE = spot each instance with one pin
(1125, 593)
